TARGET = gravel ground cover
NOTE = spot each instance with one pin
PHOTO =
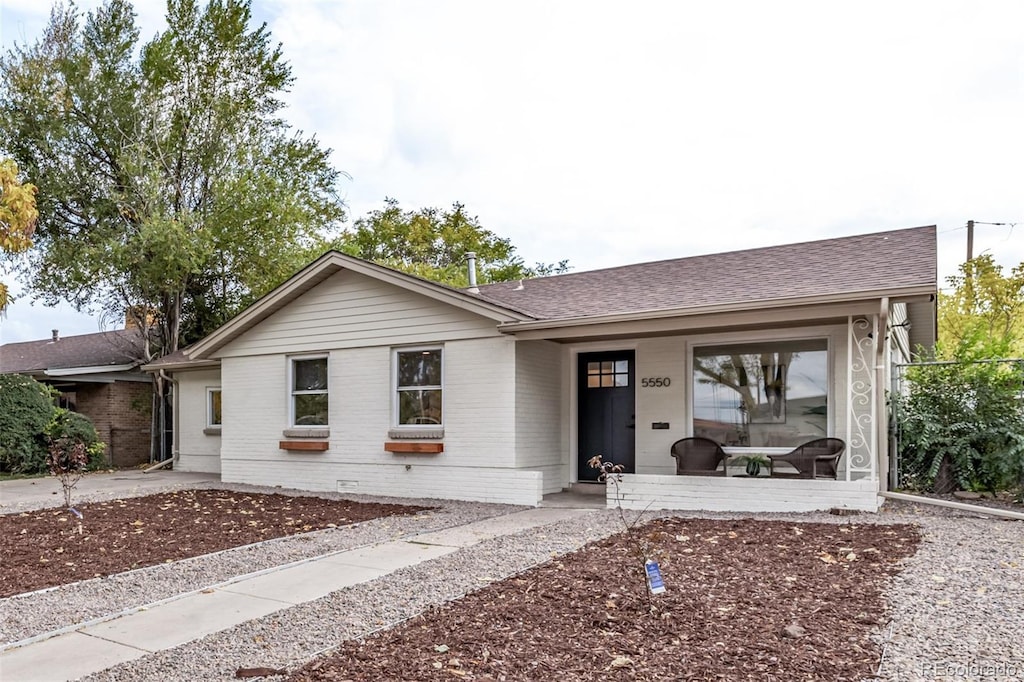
(49, 547)
(955, 608)
(745, 600)
(30, 615)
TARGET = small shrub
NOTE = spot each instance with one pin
(67, 460)
(78, 427)
(26, 409)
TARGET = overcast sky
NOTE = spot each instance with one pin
(609, 133)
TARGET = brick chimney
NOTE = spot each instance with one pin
(56, 335)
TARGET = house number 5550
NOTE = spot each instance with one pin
(655, 382)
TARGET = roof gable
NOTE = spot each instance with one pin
(324, 268)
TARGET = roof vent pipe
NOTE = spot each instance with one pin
(56, 335)
(471, 260)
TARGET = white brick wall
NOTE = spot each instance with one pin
(538, 412)
(479, 425)
(507, 486)
(714, 493)
(196, 451)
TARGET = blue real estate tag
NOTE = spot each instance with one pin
(654, 582)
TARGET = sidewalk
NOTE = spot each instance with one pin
(46, 491)
(92, 647)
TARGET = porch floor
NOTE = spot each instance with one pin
(575, 499)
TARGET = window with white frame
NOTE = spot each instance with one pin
(309, 390)
(761, 394)
(418, 381)
(213, 409)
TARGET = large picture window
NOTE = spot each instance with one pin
(769, 394)
(309, 391)
(418, 386)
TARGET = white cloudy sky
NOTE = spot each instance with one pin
(616, 132)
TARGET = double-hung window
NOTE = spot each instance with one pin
(418, 380)
(213, 413)
(309, 390)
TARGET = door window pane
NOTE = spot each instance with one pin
(608, 374)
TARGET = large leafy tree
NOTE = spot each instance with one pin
(18, 215)
(171, 190)
(982, 316)
(961, 420)
(433, 243)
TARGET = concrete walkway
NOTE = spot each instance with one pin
(92, 647)
(47, 491)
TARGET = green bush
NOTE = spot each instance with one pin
(26, 409)
(966, 418)
(76, 427)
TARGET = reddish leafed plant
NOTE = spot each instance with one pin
(67, 460)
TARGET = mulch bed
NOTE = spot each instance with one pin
(732, 588)
(53, 547)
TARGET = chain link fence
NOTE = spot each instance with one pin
(957, 426)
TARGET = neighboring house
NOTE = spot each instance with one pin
(354, 377)
(98, 376)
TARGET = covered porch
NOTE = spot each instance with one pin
(827, 375)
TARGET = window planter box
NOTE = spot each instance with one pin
(304, 445)
(415, 448)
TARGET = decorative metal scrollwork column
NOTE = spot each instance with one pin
(861, 434)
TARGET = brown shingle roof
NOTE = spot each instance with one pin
(101, 349)
(845, 265)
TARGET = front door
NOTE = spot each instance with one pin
(607, 410)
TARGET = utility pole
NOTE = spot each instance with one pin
(970, 239)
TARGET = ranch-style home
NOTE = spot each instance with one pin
(355, 377)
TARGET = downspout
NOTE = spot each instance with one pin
(175, 450)
(881, 413)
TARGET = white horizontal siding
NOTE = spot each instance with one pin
(196, 451)
(731, 494)
(505, 486)
(538, 401)
(351, 310)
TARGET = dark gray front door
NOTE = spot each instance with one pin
(606, 410)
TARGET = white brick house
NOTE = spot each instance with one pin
(352, 376)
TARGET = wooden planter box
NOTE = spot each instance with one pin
(414, 448)
(304, 445)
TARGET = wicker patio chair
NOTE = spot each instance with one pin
(698, 457)
(818, 458)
